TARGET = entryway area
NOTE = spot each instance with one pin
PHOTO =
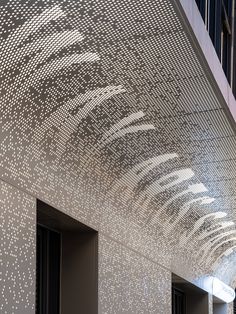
(67, 264)
(187, 298)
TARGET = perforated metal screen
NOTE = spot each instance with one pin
(108, 114)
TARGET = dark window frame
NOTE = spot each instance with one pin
(226, 37)
(48, 271)
(218, 17)
(215, 24)
(202, 8)
(178, 301)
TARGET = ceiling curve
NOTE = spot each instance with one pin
(107, 110)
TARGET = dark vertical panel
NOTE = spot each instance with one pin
(234, 54)
(53, 272)
(227, 38)
(48, 271)
(226, 55)
(202, 8)
(212, 20)
(178, 301)
(41, 287)
(218, 26)
(215, 11)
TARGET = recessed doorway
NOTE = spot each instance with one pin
(67, 264)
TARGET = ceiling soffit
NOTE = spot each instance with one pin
(106, 105)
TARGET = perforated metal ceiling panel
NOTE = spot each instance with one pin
(107, 112)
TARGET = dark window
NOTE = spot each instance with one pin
(178, 301)
(234, 56)
(202, 8)
(215, 9)
(226, 37)
(217, 15)
(48, 271)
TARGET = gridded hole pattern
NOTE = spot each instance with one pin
(17, 250)
(90, 91)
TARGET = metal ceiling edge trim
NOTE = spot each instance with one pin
(200, 40)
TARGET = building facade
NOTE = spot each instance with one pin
(118, 157)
